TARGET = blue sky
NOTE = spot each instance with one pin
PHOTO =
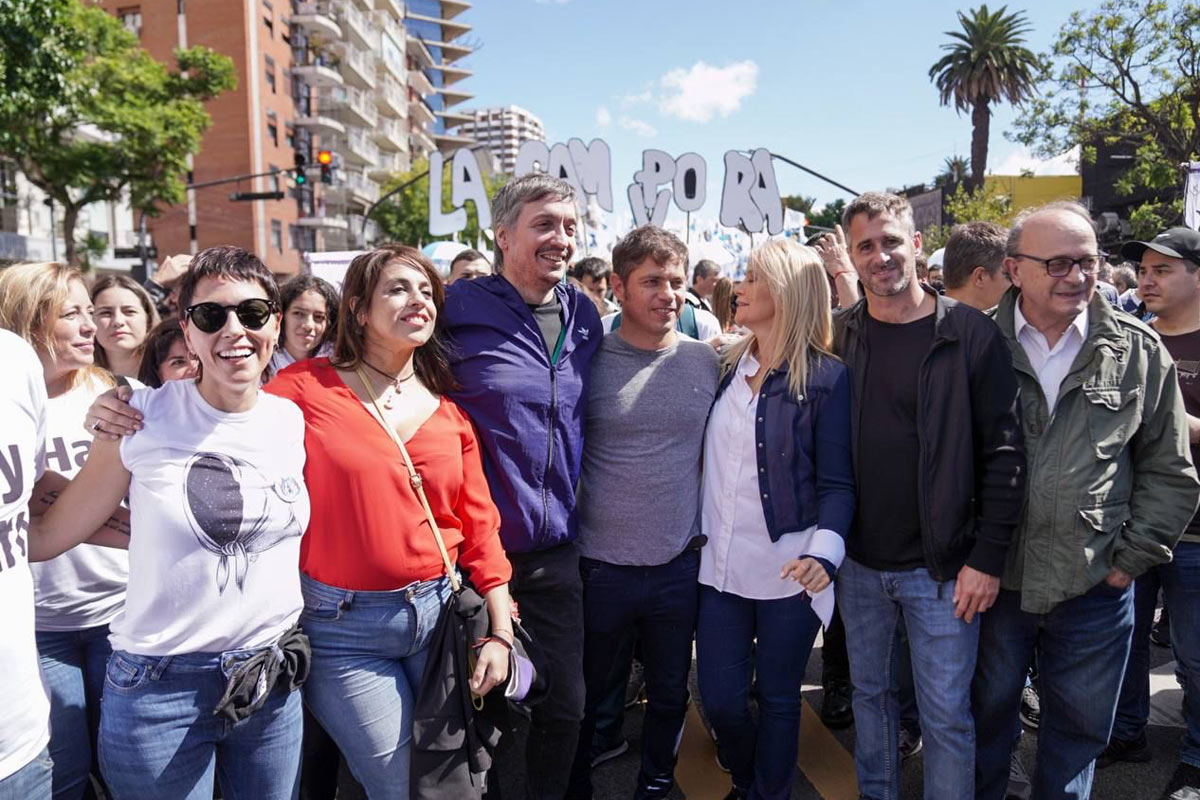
(841, 87)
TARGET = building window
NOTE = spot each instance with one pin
(277, 235)
(270, 72)
(131, 18)
(269, 18)
(290, 137)
(273, 131)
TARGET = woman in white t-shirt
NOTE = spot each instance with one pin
(206, 652)
(80, 592)
(309, 321)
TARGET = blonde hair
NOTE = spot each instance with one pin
(31, 296)
(796, 280)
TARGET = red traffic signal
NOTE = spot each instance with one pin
(324, 157)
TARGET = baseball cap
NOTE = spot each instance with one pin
(1175, 242)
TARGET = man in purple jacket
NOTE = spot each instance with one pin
(521, 341)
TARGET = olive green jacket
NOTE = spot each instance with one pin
(1111, 480)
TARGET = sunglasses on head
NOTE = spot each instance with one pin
(211, 317)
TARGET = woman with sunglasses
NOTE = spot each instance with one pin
(78, 593)
(124, 315)
(206, 652)
(776, 502)
(309, 321)
(373, 579)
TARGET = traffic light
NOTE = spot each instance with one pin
(325, 159)
(300, 162)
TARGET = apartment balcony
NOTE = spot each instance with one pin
(452, 141)
(321, 124)
(353, 105)
(337, 222)
(454, 96)
(452, 8)
(357, 68)
(390, 97)
(419, 81)
(316, 18)
(386, 22)
(450, 28)
(422, 142)
(356, 24)
(390, 164)
(394, 7)
(452, 75)
(389, 135)
(419, 113)
(317, 74)
(390, 66)
(358, 150)
(356, 189)
(455, 118)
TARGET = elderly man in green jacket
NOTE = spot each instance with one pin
(1111, 487)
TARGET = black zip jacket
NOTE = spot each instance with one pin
(971, 478)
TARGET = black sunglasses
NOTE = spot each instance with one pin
(211, 317)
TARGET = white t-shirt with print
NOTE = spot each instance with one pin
(85, 586)
(218, 506)
(24, 703)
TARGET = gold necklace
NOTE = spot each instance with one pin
(394, 382)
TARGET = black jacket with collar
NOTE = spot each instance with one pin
(971, 473)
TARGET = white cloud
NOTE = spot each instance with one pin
(1021, 161)
(637, 99)
(637, 126)
(603, 118)
(702, 92)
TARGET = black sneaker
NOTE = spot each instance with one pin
(1031, 707)
(1160, 632)
(1184, 784)
(1133, 751)
(607, 752)
(837, 709)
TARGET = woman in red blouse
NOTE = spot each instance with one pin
(373, 579)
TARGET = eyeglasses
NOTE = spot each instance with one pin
(211, 317)
(1061, 266)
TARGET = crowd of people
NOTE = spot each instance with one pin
(228, 537)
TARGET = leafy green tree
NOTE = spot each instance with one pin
(1127, 73)
(962, 205)
(829, 215)
(987, 62)
(955, 171)
(404, 217)
(799, 202)
(88, 115)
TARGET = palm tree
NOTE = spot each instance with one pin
(954, 171)
(985, 63)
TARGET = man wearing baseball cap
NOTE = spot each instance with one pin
(1169, 283)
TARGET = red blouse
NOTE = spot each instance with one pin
(368, 529)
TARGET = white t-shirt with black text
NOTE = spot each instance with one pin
(218, 506)
(24, 703)
(85, 586)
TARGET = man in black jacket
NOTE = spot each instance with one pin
(939, 465)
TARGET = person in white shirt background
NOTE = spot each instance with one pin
(25, 766)
(78, 593)
(206, 653)
(774, 526)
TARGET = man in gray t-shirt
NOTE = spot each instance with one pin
(648, 401)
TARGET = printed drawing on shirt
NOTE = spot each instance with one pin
(1187, 369)
(235, 512)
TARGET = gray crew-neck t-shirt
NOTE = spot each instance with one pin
(639, 492)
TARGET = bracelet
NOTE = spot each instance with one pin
(493, 638)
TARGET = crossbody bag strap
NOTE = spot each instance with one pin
(413, 477)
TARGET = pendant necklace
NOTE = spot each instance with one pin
(394, 388)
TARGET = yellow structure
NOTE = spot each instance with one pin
(1033, 190)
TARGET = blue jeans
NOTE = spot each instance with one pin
(1082, 645)
(943, 651)
(368, 654)
(1180, 582)
(159, 737)
(74, 663)
(762, 758)
(659, 604)
(30, 782)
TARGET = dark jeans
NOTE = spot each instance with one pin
(1082, 645)
(762, 757)
(610, 711)
(1180, 582)
(659, 604)
(835, 663)
(549, 594)
(74, 663)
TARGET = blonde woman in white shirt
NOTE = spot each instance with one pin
(80, 592)
(777, 501)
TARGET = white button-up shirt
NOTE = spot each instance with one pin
(739, 556)
(1051, 364)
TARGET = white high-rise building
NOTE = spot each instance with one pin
(503, 130)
